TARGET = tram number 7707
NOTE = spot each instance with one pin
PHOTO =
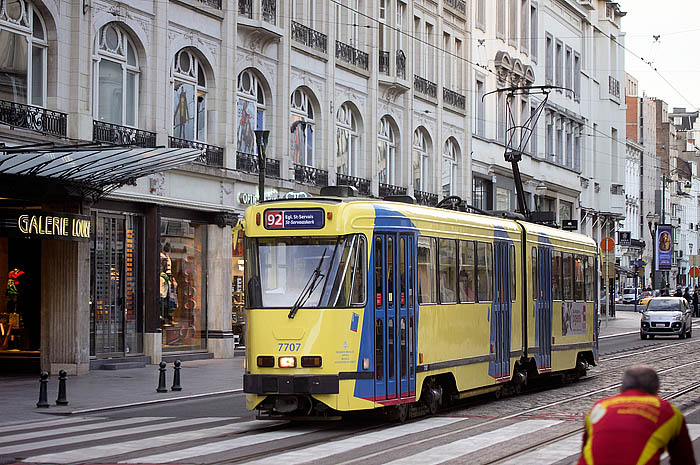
(288, 346)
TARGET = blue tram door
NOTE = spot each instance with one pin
(394, 372)
(502, 308)
(543, 306)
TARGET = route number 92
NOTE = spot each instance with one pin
(289, 346)
(274, 219)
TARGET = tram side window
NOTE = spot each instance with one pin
(588, 278)
(349, 286)
(534, 273)
(402, 271)
(426, 270)
(556, 275)
(448, 271)
(467, 275)
(484, 260)
(578, 276)
(568, 278)
(513, 267)
(378, 275)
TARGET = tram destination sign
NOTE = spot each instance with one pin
(310, 218)
(46, 225)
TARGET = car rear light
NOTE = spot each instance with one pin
(266, 361)
(287, 362)
(311, 361)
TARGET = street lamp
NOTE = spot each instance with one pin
(261, 137)
(653, 221)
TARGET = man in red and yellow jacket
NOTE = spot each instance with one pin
(636, 426)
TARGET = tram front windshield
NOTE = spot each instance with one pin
(330, 270)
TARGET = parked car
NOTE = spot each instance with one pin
(666, 316)
(629, 295)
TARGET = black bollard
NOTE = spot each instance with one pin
(61, 399)
(43, 390)
(161, 378)
(176, 377)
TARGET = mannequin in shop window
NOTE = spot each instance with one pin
(13, 320)
(168, 287)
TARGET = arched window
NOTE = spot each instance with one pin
(421, 161)
(117, 77)
(387, 152)
(250, 110)
(189, 97)
(449, 167)
(302, 145)
(22, 53)
(347, 140)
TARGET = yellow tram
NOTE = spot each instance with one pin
(356, 304)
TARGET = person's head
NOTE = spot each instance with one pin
(642, 378)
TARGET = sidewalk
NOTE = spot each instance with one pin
(101, 389)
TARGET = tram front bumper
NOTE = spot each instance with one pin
(290, 384)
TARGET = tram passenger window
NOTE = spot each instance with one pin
(448, 271)
(568, 278)
(411, 276)
(402, 271)
(379, 350)
(588, 278)
(426, 271)
(378, 275)
(403, 348)
(349, 284)
(390, 271)
(535, 295)
(391, 366)
(578, 277)
(513, 267)
(467, 275)
(484, 266)
(556, 275)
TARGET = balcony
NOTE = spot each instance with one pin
(310, 175)
(216, 4)
(401, 64)
(309, 37)
(211, 154)
(364, 187)
(121, 135)
(351, 55)
(454, 99)
(18, 115)
(384, 62)
(424, 87)
(426, 198)
(614, 86)
(386, 190)
(248, 163)
(268, 10)
(458, 5)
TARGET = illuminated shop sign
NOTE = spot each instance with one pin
(43, 224)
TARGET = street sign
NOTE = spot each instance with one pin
(569, 225)
(624, 237)
(694, 272)
(607, 244)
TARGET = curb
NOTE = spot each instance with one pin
(146, 402)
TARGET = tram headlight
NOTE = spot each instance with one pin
(311, 361)
(287, 362)
(266, 361)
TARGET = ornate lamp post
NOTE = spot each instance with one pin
(652, 222)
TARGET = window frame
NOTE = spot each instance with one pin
(176, 74)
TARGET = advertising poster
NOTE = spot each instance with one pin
(573, 318)
(664, 247)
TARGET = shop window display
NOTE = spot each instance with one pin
(182, 285)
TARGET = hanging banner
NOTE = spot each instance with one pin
(664, 247)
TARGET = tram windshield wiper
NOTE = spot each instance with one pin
(309, 288)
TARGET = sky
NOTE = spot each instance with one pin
(675, 54)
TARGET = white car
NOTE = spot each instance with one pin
(666, 316)
(629, 296)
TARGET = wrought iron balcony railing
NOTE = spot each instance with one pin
(401, 64)
(245, 8)
(351, 55)
(384, 62)
(248, 163)
(425, 87)
(614, 86)
(459, 5)
(212, 3)
(310, 175)
(36, 119)
(122, 135)
(309, 37)
(364, 187)
(426, 198)
(387, 189)
(211, 154)
(268, 10)
(454, 99)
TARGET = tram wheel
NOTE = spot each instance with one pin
(400, 413)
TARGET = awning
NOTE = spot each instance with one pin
(98, 169)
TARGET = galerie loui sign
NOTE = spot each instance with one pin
(47, 225)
